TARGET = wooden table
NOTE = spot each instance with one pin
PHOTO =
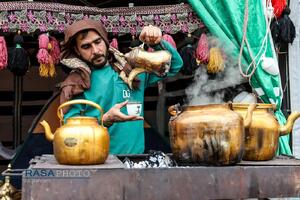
(275, 178)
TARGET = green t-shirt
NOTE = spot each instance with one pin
(108, 89)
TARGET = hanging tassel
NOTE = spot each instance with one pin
(114, 43)
(278, 6)
(54, 50)
(43, 55)
(187, 54)
(46, 62)
(283, 29)
(18, 59)
(202, 51)
(216, 61)
(3, 53)
(287, 28)
(52, 71)
(275, 31)
(169, 39)
(51, 66)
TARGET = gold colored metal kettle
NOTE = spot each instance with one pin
(207, 134)
(157, 62)
(261, 137)
(81, 140)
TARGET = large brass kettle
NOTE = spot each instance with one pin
(81, 140)
(261, 138)
(207, 134)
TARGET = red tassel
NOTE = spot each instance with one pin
(202, 51)
(47, 67)
(114, 43)
(43, 55)
(169, 39)
(55, 50)
(3, 53)
(278, 6)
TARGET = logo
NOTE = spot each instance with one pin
(39, 173)
(126, 94)
(70, 142)
(57, 173)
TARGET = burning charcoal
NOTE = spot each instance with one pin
(128, 163)
(154, 160)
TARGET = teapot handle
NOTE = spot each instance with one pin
(174, 110)
(79, 101)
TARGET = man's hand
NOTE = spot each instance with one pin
(115, 115)
(151, 35)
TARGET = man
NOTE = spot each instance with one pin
(85, 50)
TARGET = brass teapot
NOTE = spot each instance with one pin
(207, 134)
(261, 138)
(81, 140)
(157, 62)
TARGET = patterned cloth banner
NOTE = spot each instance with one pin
(31, 16)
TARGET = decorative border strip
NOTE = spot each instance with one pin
(31, 16)
(58, 7)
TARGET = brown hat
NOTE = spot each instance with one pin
(76, 27)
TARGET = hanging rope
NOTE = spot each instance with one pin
(245, 40)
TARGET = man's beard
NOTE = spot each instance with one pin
(96, 57)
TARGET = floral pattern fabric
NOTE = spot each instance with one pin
(31, 16)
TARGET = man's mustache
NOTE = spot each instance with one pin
(97, 56)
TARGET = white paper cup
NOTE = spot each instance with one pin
(134, 108)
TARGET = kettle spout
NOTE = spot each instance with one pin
(287, 128)
(248, 118)
(48, 133)
(133, 74)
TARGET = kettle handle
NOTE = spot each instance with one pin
(174, 110)
(79, 101)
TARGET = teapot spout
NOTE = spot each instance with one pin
(133, 74)
(48, 133)
(287, 128)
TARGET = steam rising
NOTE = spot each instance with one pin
(208, 90)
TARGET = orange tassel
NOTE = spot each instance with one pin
(216, 61)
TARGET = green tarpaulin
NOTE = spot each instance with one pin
(225, 20)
